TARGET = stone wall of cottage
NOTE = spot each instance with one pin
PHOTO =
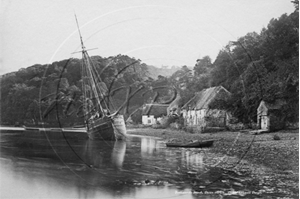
(205, 118)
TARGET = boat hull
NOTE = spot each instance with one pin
(197, 144)
(107, 128)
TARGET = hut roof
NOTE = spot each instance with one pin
(157, 110)
(277, 104)
(202, 99)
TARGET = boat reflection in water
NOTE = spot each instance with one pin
(100, 154)
(118, 153)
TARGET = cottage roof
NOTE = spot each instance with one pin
(157, 110)
(202, 99)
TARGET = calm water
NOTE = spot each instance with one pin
(140, 167)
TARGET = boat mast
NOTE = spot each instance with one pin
(86, 61)
(81, 41)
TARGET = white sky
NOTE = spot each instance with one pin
(159, 32)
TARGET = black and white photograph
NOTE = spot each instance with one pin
(149, 99)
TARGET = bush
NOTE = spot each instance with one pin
(175, 126)
(174, 122)
(236, 127)
(158, 126)
(164, 122)
(213, 129)
(191, 130)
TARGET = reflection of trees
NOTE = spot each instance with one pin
(153, 162)
(192, 160)
(148, 146)
(179, 159)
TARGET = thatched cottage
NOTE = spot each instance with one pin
(269, 115)
(197, 112)
(153, 113)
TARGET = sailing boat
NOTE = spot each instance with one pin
(100, 123)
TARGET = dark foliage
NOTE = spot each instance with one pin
(261, 67)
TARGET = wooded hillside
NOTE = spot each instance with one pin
(258, 66)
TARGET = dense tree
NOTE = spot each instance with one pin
(36, 92)
(261, 67)
(203, 65)
(296, 4)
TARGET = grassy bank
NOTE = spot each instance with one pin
(280, 155)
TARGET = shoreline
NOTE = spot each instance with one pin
(272, 165)
(262, 149)
(278, 155)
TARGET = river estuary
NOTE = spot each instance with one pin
(140, 167)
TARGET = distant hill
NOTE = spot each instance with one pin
(154, 72)
(27, 95)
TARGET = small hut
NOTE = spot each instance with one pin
(198, 113)
(269, 115)
(153, 113)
